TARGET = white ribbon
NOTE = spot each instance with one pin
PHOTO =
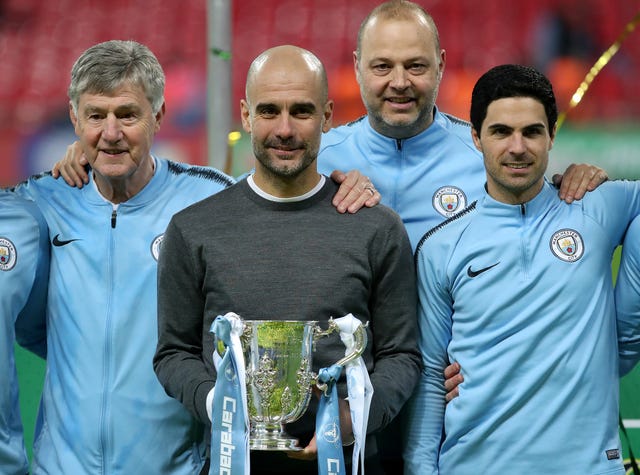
(359, 389)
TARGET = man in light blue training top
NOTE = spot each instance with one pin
(24, 270)
(103, 410)
(422, 160)
(517, 288)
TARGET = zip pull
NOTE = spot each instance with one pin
(114, 215)
(522, 209)
(399, 145)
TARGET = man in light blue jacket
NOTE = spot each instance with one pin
(517, 288)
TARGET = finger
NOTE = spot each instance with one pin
(364, 193)
(451, 370)
(579, 179)
(452, 383)
(599, 177)
(338, 176)
(79, 166)
(570, 181)
(356, 200)
(346, 194)
(310, 452)
(451, 395)
(375, 199)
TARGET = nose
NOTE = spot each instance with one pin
(517, 144)
(111, 129)
(284, 128)
(399, 78)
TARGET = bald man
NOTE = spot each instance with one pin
(274, 247)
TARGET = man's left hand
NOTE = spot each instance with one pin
(577, 180)
(356, 191)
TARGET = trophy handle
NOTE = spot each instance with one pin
(360, 340)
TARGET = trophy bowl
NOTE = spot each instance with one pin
(279, 376)
(278, 356)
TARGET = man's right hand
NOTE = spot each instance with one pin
(452, 378)
(71, 167)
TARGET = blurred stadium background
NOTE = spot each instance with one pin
(39, 41)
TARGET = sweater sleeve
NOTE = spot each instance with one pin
(427, 405)
(178, 360)
(628, 301)
(393, 325)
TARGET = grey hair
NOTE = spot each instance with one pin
(104, 67)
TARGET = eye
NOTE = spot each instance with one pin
(533, 132)
(302, 112)
(417, 68)
(381, 68)
(127, 115)
(500, 131)
(267, 112)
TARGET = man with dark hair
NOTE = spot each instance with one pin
(517, 288)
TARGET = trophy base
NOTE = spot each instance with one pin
(266, 436)
(284, 444)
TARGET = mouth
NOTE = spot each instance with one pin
(284, 153)
(112, 151)
(400, 103)
(518, 167)
(399, 100)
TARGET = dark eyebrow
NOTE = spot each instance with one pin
(266, 106)
(499, 126)
(303, 107)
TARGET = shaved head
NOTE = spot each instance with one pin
(284, 59)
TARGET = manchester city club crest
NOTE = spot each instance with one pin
(8, 254)
(448, 200)
(567, 245)
(155, 246)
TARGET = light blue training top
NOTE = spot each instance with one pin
(521, 296)
(103, 409)
(24, 269)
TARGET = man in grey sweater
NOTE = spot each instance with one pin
(274, 247)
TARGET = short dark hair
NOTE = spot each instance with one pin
(512, 80)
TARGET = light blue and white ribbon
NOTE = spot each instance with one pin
(229, 414)
(328, 437)
(359, 389)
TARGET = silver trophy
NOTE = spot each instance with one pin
(279, 378)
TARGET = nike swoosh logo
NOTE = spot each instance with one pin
(476, 273)
(57, 242)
